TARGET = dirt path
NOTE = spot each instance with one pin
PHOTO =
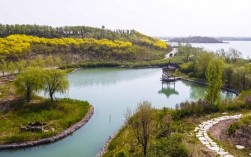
(218, 131)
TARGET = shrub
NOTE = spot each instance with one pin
(232, 128)
(171, 146)
(122, 153)
(192, 108)
(228, 106)
(187, 67)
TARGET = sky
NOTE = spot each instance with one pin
(152, 17)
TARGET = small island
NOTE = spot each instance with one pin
(195, 39)
(28, 119)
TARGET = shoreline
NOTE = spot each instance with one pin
(54, 138)
(205, 84)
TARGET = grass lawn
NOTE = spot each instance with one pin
(58, 116)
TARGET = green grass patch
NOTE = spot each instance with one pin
(58, 116)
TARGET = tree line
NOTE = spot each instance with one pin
(81, 32)
(236, 72)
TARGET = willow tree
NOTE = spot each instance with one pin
(214, 79)
(30, 81)
(55, 81)
(142, 124)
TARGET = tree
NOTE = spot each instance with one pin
(40, 61)
(49, 61)
(142, 124)
(55, 81)
(228, 73)
(201, 63)
(33, 63)
(11, 68)
(20, 65)
(214, 80)
(187, 50)
(58, 61)
(3, 67)
(30, 81)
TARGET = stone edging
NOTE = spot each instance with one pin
(201, 134)
(105, 146)
(52, 139)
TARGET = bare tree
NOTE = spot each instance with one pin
(141, 123)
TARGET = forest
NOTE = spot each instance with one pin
(78, 43)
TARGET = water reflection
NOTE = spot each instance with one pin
(197, 91)
(168, 90)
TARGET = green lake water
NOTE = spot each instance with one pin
(111, 91)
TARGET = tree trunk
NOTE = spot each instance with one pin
(51, 96)
(28, 94)
(144, 150)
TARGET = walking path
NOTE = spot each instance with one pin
(172, 53)
(201, 134)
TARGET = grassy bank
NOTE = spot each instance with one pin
(181, 141)
(173, 131)
(58, 116)
(117, 64)
(178, 140)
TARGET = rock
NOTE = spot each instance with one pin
(240, 147)
(228, 155)
(46, 130)
(52, 129)
(35, 128)
(224, 113)
(222, 153)
(215, 149)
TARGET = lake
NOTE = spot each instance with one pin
(243, 46)
(111, 91)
